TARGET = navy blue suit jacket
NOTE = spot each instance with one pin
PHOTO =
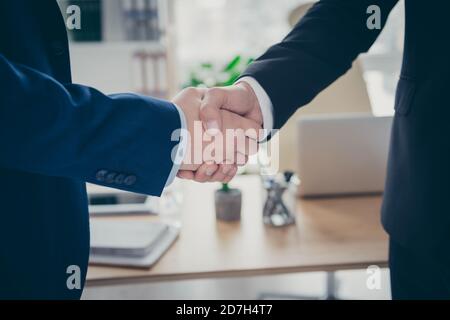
(321, 48)
(54, 136)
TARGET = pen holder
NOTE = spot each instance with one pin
(228, 204)
(280, 199)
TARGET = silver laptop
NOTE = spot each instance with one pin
(342, 154)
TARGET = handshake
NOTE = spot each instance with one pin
(223, 128)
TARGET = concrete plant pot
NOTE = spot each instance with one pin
(228, 204)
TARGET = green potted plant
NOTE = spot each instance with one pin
(228, 203)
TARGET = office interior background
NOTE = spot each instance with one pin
(180, 39)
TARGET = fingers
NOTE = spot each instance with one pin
(230, 174)
(234, 121)
(205, 172)
(219, 175)
(226, 110)
(210, 173)
(213, 173)
(241, 159)
(185, 174)
(235, 150)
(225, 173)
(241, 134)
(239, 98)
(212, 102)
(232, 117)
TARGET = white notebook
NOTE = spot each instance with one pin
(130, 243)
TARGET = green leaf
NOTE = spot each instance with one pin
(229, 74)
(236, 60)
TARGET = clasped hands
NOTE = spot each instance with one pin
(224, 126)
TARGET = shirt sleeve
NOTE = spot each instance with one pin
(180, 149)
(264, 103)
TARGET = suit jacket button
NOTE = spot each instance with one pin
(130, 180)
(100, 175)
(119, 178)
(110, 177)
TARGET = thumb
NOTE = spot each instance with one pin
(213, 100)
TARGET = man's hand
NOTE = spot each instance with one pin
(220, 151)
(238, 98)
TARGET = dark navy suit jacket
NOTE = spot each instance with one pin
(55, 136)
(321, 48)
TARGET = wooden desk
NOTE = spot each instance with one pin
(330, 234)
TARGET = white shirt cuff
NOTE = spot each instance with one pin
(264, 103)
(181, 148)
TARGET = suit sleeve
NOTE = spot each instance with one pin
(68, 130)
(320, 48)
